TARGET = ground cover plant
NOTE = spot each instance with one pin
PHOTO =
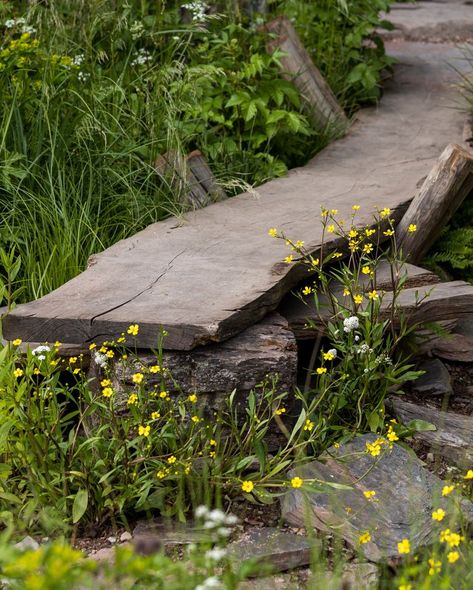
(93, 92)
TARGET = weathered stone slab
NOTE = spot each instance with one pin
(453, 438)
(214, 371)
(402, 507)
(435, 381)
(271, 547)
(276, 582)
(208, 277)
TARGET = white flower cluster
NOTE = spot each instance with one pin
(83, 76)
(143, 57)
(212, 583)
(20, 21)
(216, 521)
(39, 350)
(351, 323)
(198, 10)
(100, 359)
(383, 359)
(364, 349)
(137, 29)
(78, 60)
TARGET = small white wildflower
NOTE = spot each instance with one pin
(333, 351)
(39, 350)
(28, 29)
(217, 516)
(363, 349)
(366, 371)
(224, 532)
(231, 520)
(78, 60)
(357, 338)
(201, 511)
(212, 583)
(215, 554)
(198, 10)
(143, 56)
(13, 22)
(350, 323)
(100, 359)
(83, 76)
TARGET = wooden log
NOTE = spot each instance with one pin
(428, 304)
(214, 371)
(298, 67)
(443, 191)
(190, 177)
(453, 438)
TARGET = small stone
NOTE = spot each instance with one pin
(430, 457)
(112, 540)
(27, 543)
(126, 536)
(435, 381)
(104, 554)
(279, 549)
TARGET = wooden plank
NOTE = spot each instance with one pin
(209, 276)
(298, 67)
(443, 191)
(442, 301)
(453, 438)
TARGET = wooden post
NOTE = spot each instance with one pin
(300, 69)
(191, 177)
(443, 191)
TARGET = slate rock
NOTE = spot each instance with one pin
(276, 582)
(406, 494)
(435, 381)
(271, 546)
(28, 543)
(168, 534)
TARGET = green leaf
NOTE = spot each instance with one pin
(79, 507)
(421, 426)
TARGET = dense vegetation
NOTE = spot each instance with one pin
(93, 91)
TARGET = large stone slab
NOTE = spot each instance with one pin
(435, 381)
(453, 438)
(210, 275)
(406, 494)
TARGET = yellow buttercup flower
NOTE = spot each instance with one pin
(18, 373)
(434, 566)
(155, 369)
(307, 290)
(155, 415)
(17, 342)
(309, 425)
(368, 248)
(366, 270)
(405, 587)
(133, 329)
(334, 212)
(364, 538)
(368, 494)
(330, 229)
(273, 232)
(105, 383)
(329, 356)
(144, 430)
(137, 378)
(192, 398)
(412, 228)
(172, 459)
(280, 411)
(446, 490)
(392, 436)
(469, 474)
(438, 514)
(321, 370)
(388, 232)
(385, 212)
(247, 486)
(107, 392)
(373, 295)
(356, 207)
(352, 233)
(289, 259)
(346, 292)
(404, 547)
(453, 556)
(132, 399)
(358, 299)
(369, 232)
(195, 419)
(296, 482)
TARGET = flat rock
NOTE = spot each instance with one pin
(167, 534)
(276, 582)
(207, 277)
(402, 507)
(214, 371)
(453, 438)
(435, 381)
(270, 546)
(354, 575)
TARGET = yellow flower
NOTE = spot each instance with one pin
(321, 370)
(314, 262)
(392, 436)
(366, 270)
(438, 514)
(329, 356)
(172, 459)
(388, 232)
(373, 449)
(324, 212)
(73, 360)
(434, 566)
(447, 490)
(369, 232)
(110, 354)
(163, 394)
(368, 494)
(309, 425)
(296, 482)
(364, 538)
(469, 474)
(353, 245)
(144, 430)
(356, 207)
(358, 299)
(405, 587)
(352, 233)
(453, 556)
(346, 292)
(373, 295)
(105, 383)
(133, 329)
(337, 254)
(36, 371)
(444, 535)
(161, 474)
(132, 400)
(273, 232)
(299, 244)
(280, 411)
(412, 228)
(18, 372)
(247, 486)
(368, 248)
(17, 342)
(454, 539)
(404, 546)
(212, 442)
(155, 415)
(334, 212)
(137, 378)
(121, 340)
(385, 212)
(155, 369)
(192, 398)
(195, 419)
(92, 346)
(330, 228)
(107, 392)
(307, 290)
(289, 259)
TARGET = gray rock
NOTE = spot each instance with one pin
(106, 554)
(126, 536)
(27, 543)
(270, 546)
(354, 575)
(277, 582)
(168, 534)
(435, 381)
(406, 494)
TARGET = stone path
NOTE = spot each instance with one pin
(209, 276)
